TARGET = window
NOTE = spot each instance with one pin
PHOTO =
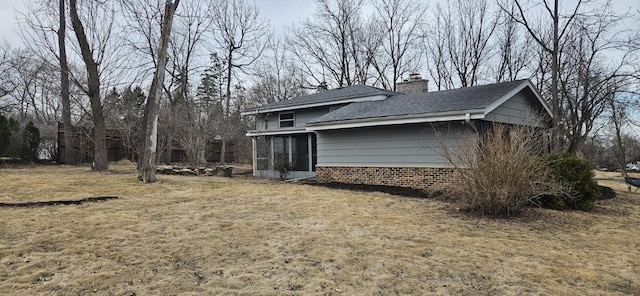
(286, 119)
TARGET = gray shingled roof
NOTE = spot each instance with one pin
(467, 98)
(337, 94)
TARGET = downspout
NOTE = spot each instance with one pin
(467, 120)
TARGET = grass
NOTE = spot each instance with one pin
(239, 236)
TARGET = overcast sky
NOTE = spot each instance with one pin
(280, 13)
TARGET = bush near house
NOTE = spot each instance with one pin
(577, 176)
(283, 168)
(501, 173)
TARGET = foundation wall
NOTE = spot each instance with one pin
(414, 177)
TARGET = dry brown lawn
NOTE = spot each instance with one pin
(239, 236)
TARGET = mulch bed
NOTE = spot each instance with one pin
(607, 193)
(395, 190)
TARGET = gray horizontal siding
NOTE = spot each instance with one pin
(406, 145)
(520, 109)
(304, 116)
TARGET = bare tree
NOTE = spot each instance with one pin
(618, 117)
(186, 52)
(459, 44)
(401, 21)
(7, 82)
(278, 78)
(39, 23)
(93, 88)
(513, 49)
(146, 172)
(588, 77)
(242, 37)
(559, 25)
(141, 34)
(35, 94)
(185, 46)
(329, 46)
(439, 63)
(469, 32)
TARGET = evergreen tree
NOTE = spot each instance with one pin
(211, 81)
(130, 113)
(30, 142)
(5, 135)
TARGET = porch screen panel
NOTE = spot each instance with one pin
(280, 149)
(263, 150)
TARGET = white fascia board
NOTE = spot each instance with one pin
(313, 105)
(425, 118)
(513, 92)
(276, 132)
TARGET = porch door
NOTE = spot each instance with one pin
(300, 152)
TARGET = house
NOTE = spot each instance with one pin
(365, 135)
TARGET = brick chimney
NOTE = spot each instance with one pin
(413, 84)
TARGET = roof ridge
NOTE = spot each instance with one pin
(466, 87)
(328, 96)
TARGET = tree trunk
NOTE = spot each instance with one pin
(69, 149)
(555, 103)
(223, 151)
(93, 90)
(616, 119)
(227, 104)
(141, 143)
(100, 142)
(148, 167)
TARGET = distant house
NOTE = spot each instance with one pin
(365, 135)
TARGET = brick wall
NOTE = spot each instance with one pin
(414, 177)
(413, 86)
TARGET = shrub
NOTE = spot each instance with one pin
(30, 142)
(577, 175)
(5, 135)
(502, 173)
(283, 168)
(10, 138)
